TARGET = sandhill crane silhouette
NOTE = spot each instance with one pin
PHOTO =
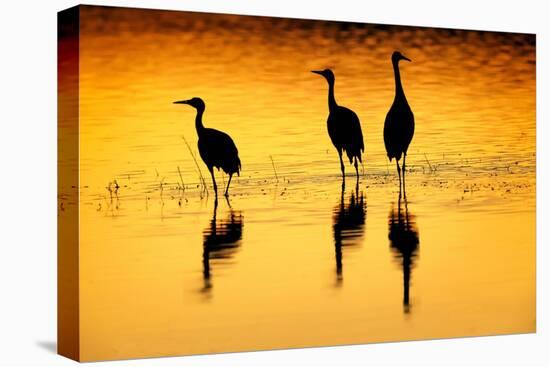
(344, 127)
(216, 148)
(404, 241)
(221, 241)
(348, 226)
(399, 124)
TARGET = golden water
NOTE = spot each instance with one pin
(294, 262)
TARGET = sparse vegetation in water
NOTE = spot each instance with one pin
(274, 170)
(204, 187)
(433, 168)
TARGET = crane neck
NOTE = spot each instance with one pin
(399, 93)
(331, 99)
(198, 121)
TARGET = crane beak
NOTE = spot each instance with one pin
(317, 72)
(182, 102)
(406, 58)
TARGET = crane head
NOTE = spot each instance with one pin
(396, 56)
(194, 102)
(327, 73)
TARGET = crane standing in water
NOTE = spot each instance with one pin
(399, 124)
(216, 148)
(344, 128)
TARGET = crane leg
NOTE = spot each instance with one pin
(214, 182)
(356, 170)
(399, 174)
(342, 168)
(403, 169)
(227, 188)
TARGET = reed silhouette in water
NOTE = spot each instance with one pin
(216, 148)
(348, 225)
(221, 240)
(344, 128)
(399, 124)
(404, 241)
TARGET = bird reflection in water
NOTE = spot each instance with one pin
(349, 222)
(404, 241)
(221, 241)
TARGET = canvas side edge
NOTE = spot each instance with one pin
(68, 299)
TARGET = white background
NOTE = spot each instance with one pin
(28, 182)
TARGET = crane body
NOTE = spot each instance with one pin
(399, 123)
(344, 128)
(216, 148)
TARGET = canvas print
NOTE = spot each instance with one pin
(234, 183)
